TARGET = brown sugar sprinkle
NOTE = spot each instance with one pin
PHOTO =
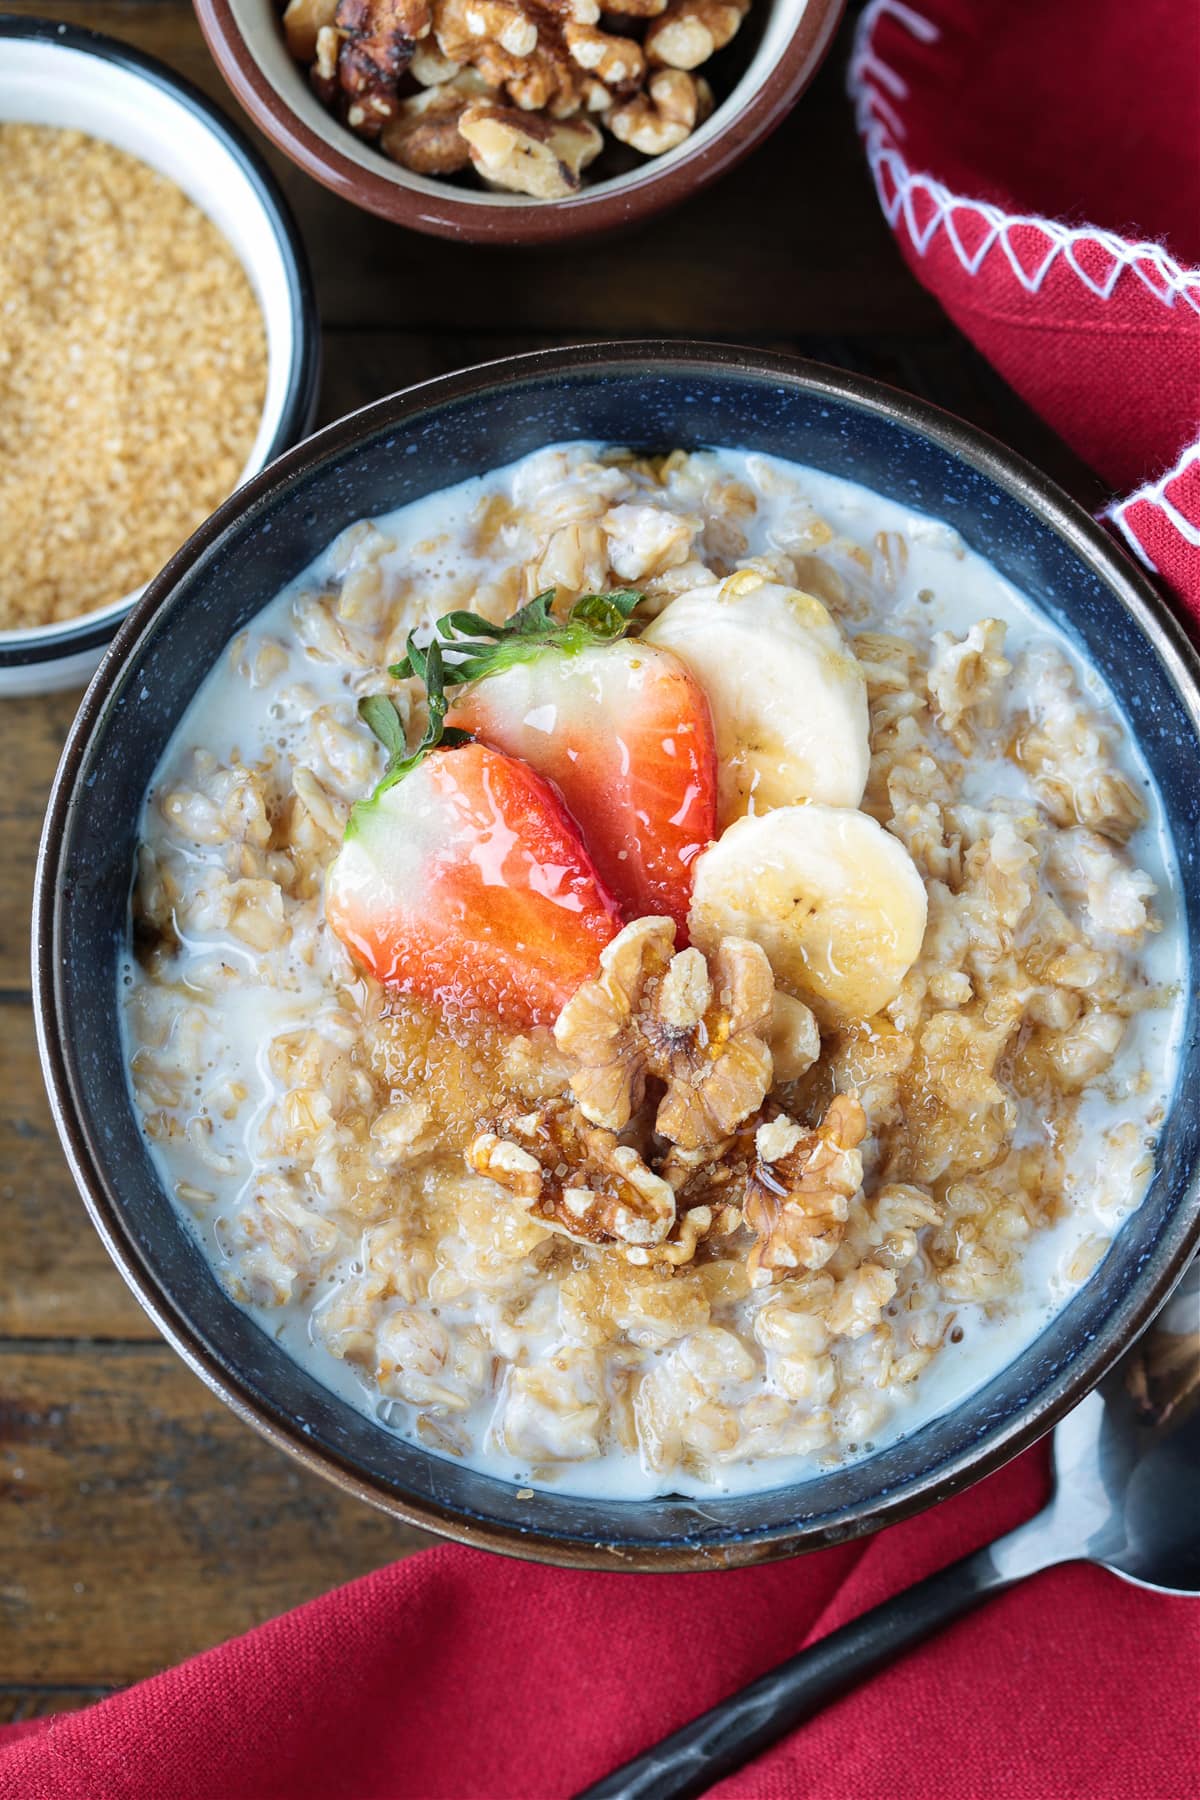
(133, 367)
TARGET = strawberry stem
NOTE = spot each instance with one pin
(481, 648)
(381, 713)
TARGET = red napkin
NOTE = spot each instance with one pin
(459, 1676)
(1039, 161)
(995, 132)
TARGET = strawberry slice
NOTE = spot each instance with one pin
(462, 879)
(622, 729)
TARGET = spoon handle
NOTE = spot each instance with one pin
(701, 1753)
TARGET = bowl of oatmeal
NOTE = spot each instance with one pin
(159, 342)
(621, 989)
(515, 121)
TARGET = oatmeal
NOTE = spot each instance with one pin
(652, 975)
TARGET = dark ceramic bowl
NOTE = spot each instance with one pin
(758, 79)
(653, 396)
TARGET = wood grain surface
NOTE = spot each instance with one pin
(139, 1520)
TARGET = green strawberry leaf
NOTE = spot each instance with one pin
(479, 648)
(382, 715)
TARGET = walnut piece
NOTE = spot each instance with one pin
(597, 1028)
(523, 153)
(463, 27)
(546, 82)
(690, 31)
(302, 20)
(527, 53)
(694, 1225)
(790, 1186)
(797, 1198)
(617, 62)
(428, 65)
(576, 1178)
(711, 1019)
(581, 1182)
(666, 112)
(424, 134)
(377, 40)
(698, 1024)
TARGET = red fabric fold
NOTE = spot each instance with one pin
(459, 1676)
(1041, 166)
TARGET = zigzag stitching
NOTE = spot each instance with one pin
(881, 126)
(1154, 493)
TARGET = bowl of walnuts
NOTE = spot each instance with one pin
(517, 121)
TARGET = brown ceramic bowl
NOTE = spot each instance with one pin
(778, 50)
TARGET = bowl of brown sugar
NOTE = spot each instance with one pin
(158, 335)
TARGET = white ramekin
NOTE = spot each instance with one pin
(54, 74)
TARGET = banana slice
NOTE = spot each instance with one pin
(834, 899)
(788, 697)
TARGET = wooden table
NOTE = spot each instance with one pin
(139, 1521)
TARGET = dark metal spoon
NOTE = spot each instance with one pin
(1126, 1474)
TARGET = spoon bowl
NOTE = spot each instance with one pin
(1131, 1450)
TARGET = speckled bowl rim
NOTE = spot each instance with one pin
(984, 455)
(33, 649)
(593, 211)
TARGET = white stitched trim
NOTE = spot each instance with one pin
(924, 205)
(1116, 517)
(875, 87)
(1154, 493)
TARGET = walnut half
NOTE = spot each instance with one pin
(424, 134)
(665, 112)
(698, 1024)
(797, 1198)
(525, 153)
(376, 40)
(302, 21)
(690, 31)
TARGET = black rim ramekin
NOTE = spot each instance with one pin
(300, 405)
